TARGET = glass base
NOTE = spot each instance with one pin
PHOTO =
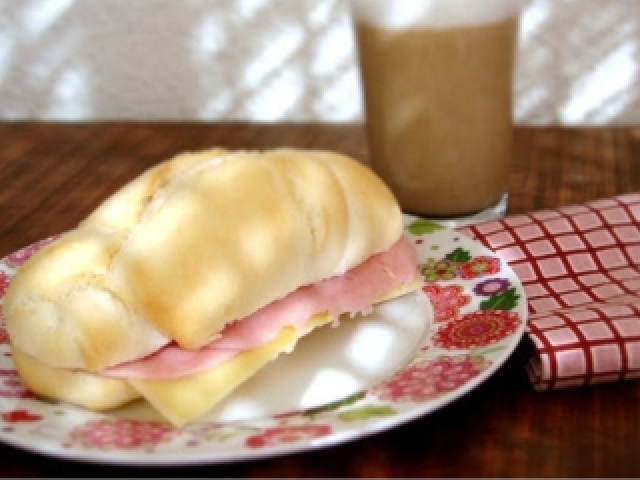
(498, 210)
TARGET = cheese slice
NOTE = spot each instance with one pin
(185, 399)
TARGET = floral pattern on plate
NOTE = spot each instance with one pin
(479, 315)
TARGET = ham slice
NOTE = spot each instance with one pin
(354, 292)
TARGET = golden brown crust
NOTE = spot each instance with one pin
(191, 244)
(79, 388)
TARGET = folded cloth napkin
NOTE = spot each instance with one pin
(580, 269)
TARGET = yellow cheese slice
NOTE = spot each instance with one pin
(185, 399)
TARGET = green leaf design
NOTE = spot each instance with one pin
(366, 412)
(229, 433)
(483, 351)
(422, 226)
(335, 405)
(459, 255)
(507, 300)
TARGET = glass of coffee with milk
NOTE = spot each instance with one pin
(437, 79)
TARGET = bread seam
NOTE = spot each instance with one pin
(342, 263)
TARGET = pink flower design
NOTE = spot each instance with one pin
(446, 301)
(287, 434)
(4, 283)
(478, 267)
(11, 386)
(4, 335)
(121, 433)
(477, 329)
(428, 379)
(20, 256)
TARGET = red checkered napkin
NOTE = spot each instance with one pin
(580, 268)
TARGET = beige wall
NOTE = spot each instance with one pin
(282, 60)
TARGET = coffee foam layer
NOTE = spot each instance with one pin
(395, 14)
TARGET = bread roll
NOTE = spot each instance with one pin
(192, 244)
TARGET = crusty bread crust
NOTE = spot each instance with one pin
(85, 389)
(192, 244)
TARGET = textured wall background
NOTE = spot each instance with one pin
(282, 60)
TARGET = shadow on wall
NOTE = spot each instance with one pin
(281, 60)
(579, 63)
(262, 60)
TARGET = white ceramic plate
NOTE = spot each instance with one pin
(412, 356)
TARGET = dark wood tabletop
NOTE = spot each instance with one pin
(52, 175)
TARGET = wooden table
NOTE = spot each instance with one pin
(52, 175)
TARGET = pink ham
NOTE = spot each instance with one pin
(353, 292)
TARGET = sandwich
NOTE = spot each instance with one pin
(198, 273)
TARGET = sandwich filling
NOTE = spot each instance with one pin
(353, 293)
